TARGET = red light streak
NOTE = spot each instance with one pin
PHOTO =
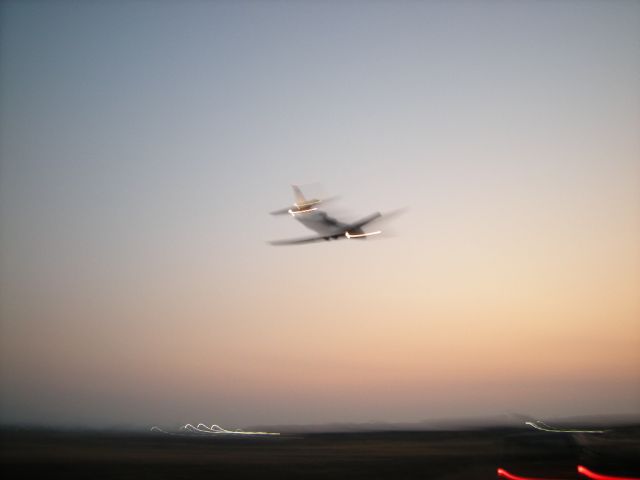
(503, 473)
(582, 470)
(596, 476)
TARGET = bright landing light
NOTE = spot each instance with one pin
(359, 235)
(294, 213)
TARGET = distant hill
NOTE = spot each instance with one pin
(501, 421)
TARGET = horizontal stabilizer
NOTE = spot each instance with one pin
(283, 211)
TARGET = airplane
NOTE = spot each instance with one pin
(306, 212)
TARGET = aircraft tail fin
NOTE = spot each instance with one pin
(300, 200)
(302, 204)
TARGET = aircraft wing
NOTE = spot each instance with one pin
(336, 233)
(362, 222)
(298, 241)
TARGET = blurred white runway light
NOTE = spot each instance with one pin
(202, 429)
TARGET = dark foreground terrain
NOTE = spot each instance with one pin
(383, 455)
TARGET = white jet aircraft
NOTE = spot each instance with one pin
(307, 213)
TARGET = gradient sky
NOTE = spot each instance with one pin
(143, 144)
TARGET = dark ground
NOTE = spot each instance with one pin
(384, 455)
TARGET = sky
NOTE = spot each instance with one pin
(142, 145)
